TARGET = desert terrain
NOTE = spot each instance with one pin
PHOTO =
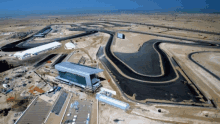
(166, 68)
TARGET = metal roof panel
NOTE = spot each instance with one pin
(77, 68)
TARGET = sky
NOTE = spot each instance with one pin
(12, 8)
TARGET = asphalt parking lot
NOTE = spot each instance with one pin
(84, 108)
(59, 104)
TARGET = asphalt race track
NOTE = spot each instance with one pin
(142, 76)
(146, 61)
(174, 91)
(169, 73)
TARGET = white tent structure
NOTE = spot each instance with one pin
(70, 46)
(112, 101)
(36, 50)
(5, 85)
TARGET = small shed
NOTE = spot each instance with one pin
(70, 46)
(121, 36)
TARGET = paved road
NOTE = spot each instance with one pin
(60, 102)
(161, 26)
(60, 59)
(190, 57)
(23, 44)
(151, 87)
(88, 24)
(202, 42)
(49, 57)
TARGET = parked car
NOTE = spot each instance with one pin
(69, 114)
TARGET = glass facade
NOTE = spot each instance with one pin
(93, 78)
(73, 77)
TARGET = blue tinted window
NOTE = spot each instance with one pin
(73, 77)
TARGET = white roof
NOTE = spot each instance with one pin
(5, 85)
(70, 45)
(111, 100)
(38, 49)
(76, 68)
(107, 90)
(18, 54)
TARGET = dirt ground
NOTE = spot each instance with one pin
(133, 41)
(204, 80)
(209, 60)
(106, 110)
(88, 47)
(191, 21)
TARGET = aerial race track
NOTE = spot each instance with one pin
(153, 81)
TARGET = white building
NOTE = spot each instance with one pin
(112, 101)
(70, 46)
(121, 36)
(37, 50)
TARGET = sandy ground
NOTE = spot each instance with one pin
(52, 99)
(88, 47)
(110, 25)
(6, 39)
(209, 60)
(115, 113)
(60, 34)
(78, 55)
(199, 76)
(193, 35)
(181, 114)
(88, 41)
(192, 21)
(133, 41)
(90, 44)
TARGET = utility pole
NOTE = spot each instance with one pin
(97, 111)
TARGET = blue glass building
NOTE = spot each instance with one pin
(80, 75)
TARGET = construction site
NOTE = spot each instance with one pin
(110, 69)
